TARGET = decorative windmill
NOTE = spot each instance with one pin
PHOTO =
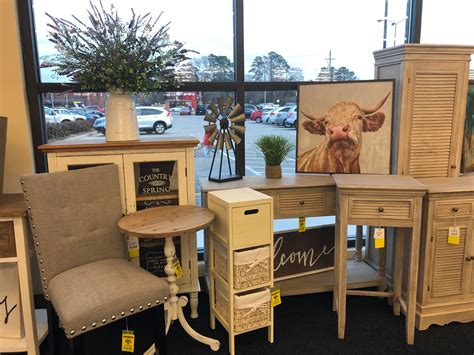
(224, 131)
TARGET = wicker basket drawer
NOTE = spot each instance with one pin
(451, 209)
(251, 267)
(251, 311)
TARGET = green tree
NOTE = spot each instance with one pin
(272, 67)
(214, 68)
(344, 74)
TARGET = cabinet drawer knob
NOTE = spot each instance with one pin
(302, 202)
(469, 258)
(453, 166)
(455, 209)
(381, 209)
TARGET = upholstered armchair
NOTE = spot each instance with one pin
(82, 255)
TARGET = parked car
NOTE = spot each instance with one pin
(282, 116)
(64, 115)
(278, 115)
(87, 113)
(250, 106)
(257, 115)
(176, 108)
(266, 114)
(95, 108)
(49, 115)
(149, 118)
(186, 111)
(201, 109)
(291, 119)
(248, 111)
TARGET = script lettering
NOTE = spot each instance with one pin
(302, 257)
(7, 312)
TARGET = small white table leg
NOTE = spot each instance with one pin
(193, 303)
(175, 305)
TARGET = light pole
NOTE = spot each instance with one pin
(386, 20)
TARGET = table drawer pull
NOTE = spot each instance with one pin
(455, 209)
(301, 202)
(381, 209)
(252, 211)
(469, 258)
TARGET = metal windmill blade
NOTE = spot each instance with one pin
(224, 132)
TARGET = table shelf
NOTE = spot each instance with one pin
(20, 344)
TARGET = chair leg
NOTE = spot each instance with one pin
(53, 328)
(160, 332)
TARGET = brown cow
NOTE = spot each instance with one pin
(343, 126)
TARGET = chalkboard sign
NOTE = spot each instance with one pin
(297, 254)
(152, 255)
(155, 178)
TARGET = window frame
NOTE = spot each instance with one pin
(35, 88)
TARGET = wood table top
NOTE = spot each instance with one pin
(449, 184)
(378, 182)
(166, 221)
(99, 143)
(12, 205)
(262, 183)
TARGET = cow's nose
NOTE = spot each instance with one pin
(339, 132)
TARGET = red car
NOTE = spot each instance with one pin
(257, 115)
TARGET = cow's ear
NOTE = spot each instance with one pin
(315, 126)
(373, 122)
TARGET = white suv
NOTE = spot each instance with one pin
(154, 119)
(149, 118)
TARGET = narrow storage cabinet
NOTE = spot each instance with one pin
(446, 279)
(241, 261)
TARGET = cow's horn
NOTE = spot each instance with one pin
(310, 117)
(379, 105)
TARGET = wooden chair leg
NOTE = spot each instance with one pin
(160, 332)
(74, 347)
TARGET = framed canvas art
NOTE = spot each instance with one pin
(345, 127)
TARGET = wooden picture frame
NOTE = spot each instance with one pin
(345, 127)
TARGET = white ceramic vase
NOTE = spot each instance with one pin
(121, 123)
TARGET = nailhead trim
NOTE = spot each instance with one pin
(148, 304)
(113, 317)
(140, 308)
(83, 328)
(122, 313)
(132, 310)
(72, 332)
(104, 320)
(93, 324)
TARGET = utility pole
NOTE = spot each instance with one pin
(330, 59)
(385, 25)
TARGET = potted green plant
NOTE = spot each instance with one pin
(275, 149)
(124, 57)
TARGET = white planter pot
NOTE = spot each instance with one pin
(121, 123)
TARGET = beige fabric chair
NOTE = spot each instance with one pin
(81, 253)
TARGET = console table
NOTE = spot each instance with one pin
(300, 196)
(376, 200)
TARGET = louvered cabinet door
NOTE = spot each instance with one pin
(449, 267)
(433, 117)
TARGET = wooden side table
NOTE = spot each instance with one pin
(168, 222)
(379, 200)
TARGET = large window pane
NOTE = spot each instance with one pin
(311, 40)
(189, 24)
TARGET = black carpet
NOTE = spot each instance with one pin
(303, 325)
(307, 325)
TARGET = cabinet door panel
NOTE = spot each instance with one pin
(448, 262)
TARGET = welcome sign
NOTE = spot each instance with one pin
(298, 254)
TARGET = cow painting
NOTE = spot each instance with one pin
(342, 127)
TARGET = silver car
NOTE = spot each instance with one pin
(149, 118)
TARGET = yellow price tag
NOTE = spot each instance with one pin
(276, 298)
(379, 238)
(128, 341)
(454, 235)
(302, 224)
(178, 270)
(133, 247)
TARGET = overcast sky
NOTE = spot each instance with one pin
(302, 31)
